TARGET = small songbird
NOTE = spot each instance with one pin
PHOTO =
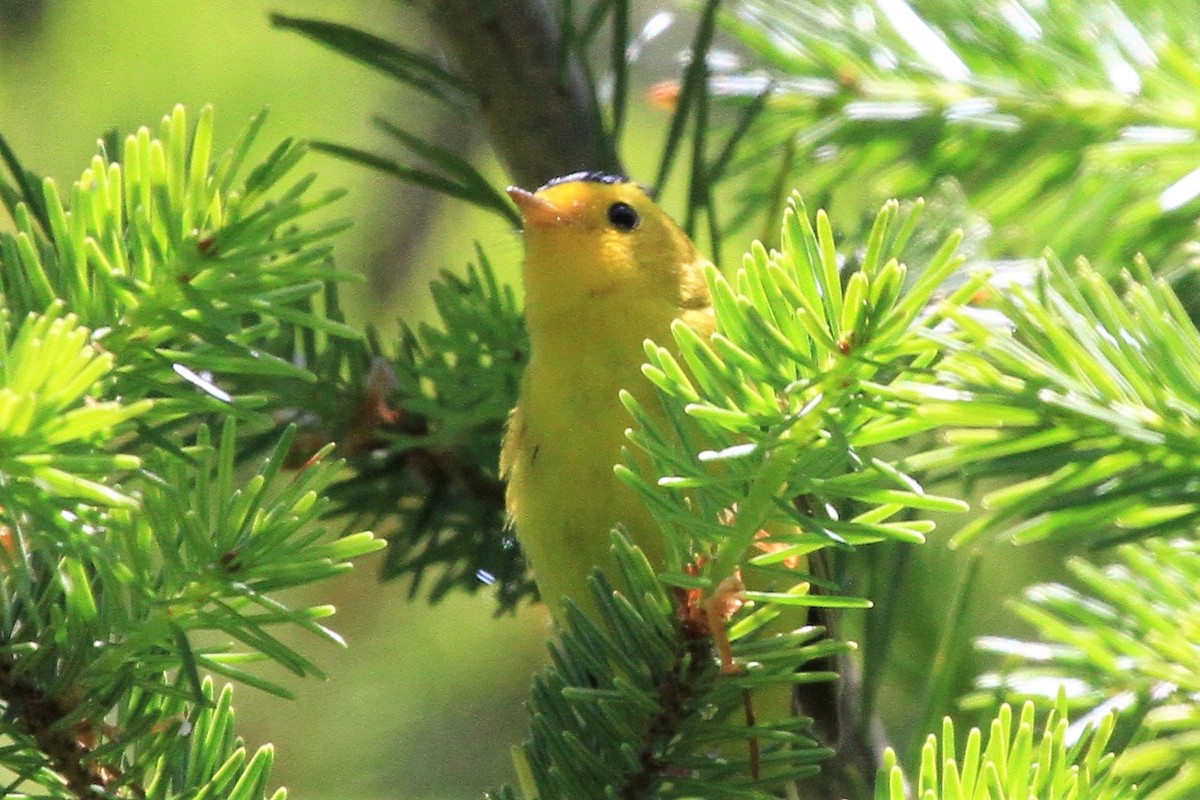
(605, 269)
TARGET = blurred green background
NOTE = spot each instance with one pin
(425, 703)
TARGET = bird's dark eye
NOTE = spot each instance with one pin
(623, 217)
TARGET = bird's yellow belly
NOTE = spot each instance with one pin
(562, 444)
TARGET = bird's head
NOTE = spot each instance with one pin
(593, 239)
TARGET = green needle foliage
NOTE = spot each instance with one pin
(1075, 403)
(136, 557)
(1070, 126)
(211, 760)
(1124, 638)
(431, 480)
(634, 704)
(53, 430)
(783, 421)
(1087, 407)
(1014, 761)
(182, 266)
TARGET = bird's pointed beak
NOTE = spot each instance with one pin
(537, 212)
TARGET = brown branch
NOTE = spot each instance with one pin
(67, 746)
(676, 693)
(542, 120)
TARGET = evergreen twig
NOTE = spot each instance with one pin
(133, 554)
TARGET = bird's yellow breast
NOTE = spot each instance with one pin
(563, 440)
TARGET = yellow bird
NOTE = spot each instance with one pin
(605, 269)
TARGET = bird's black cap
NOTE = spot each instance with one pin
(589, 177)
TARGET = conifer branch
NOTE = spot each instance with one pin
(56, 731)
(1015, 760)
(133, 556)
